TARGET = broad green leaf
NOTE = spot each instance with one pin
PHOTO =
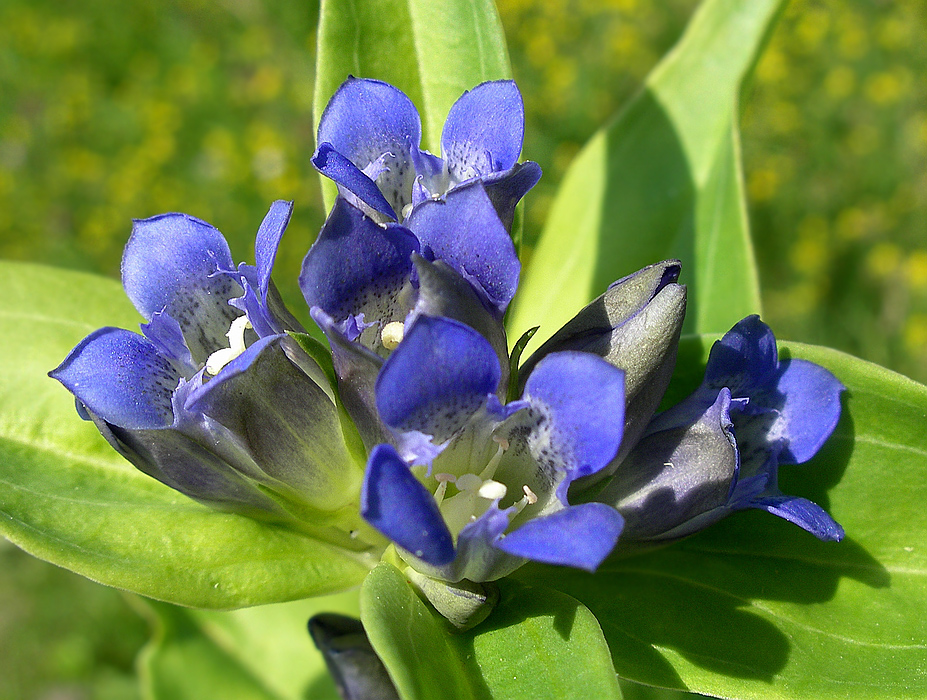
(754, 607)
(536, 644)
(662, 180)
(432, 51)
(263, 653)
(68, 498)
(412, 642)
(539, 643)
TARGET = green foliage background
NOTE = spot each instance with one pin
(114, 110)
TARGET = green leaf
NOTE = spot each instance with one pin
(412, 642)
(661, 181)
(263, 653)
(540, 643)
(755, 607)
(432, 51)
(68, 498)
(536, 644)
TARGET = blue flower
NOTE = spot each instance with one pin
(469, 488)
(366, 282)
(216, 399)
(719, 450)
(369, 143)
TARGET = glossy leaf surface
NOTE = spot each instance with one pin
(662, 181)
(754, 607)
(68, 498)
(537, 643)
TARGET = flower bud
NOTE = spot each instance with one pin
(634, 326)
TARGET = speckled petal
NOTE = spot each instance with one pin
(121, 377)
(358, 267)
(399, 506)
(579, 402)
(440, 375)
(367, 119)
(465, 232)
(484, 130)
(171, 264)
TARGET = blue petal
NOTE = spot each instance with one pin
(268, 240)
(804, 513)
(399, 506)
(506, 189)
(744, 360)
(579, 536)
(358, 267)
(439, 376)
(170, 264)
(334, 165)
(484, 130)
(464, 231)
(443, 292)
(167, 336)
(580, 398)
(371, 122)
(121, 377)
(810, 411)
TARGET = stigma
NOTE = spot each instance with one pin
(236, 336)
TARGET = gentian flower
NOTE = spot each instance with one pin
(719, 450)
(216, 399)
(470, 488)
(365, 282)
(369, 143)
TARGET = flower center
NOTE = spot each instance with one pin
(476, 492)
(236, 336)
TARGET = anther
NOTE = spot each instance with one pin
(391, 335)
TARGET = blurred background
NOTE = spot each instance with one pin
(111, 111)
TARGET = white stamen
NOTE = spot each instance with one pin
(443, 480)
(469, 482)
(406, 210)
(491, 490)
(530, 495)
(391, 335)
(529, 499)
(236, 336)
(490, 469)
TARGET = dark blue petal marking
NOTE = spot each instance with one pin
(399, 506)
(439, 376)
(484, 130)
(464, 231)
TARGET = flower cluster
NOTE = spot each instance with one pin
(419, 425)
